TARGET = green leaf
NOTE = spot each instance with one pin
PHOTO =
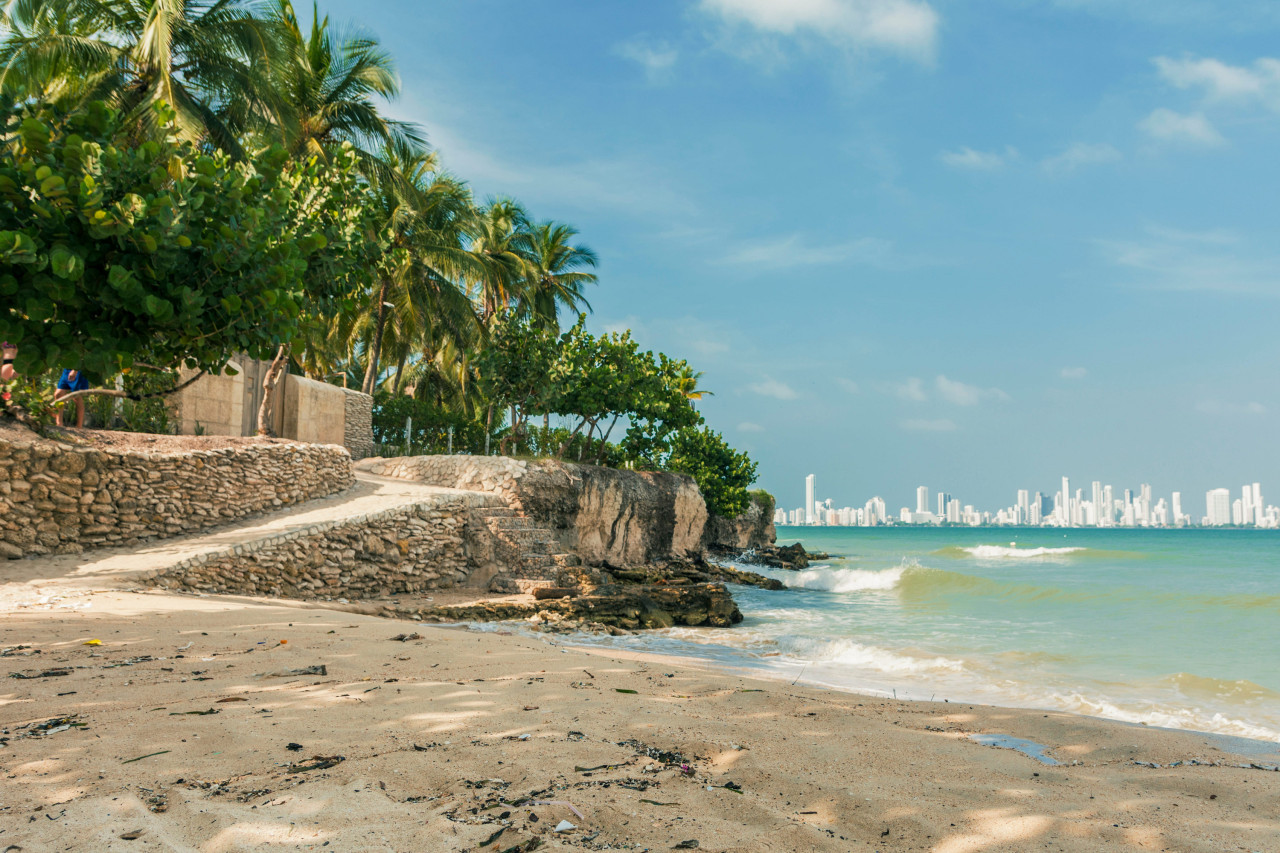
(66, 264)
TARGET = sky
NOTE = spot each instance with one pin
(973, 246)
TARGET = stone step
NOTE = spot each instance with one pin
(522, 538)
(496, 512)
(565, 561)
(512, 522)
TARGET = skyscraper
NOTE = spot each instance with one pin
(1218, 504)
(1024, 506)
(1064, 508)
(922, 499)
(810, 497)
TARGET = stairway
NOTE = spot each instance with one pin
(529, 552)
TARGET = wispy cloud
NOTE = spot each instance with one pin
(912, 389)
(847, 384)
(928, 425)
(1191, 129)
(962, 394)
(1073, 373)
(657, 59)
(747, 426)
(978, 161)
(1217, 407)
(768, 387)
(1216, 260)
(905, 27)
(794, 250)
(1222, 82)
(1080, 154)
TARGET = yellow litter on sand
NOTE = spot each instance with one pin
(92, 643)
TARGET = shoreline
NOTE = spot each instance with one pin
(401, 741)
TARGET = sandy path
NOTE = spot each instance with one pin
(432, 736)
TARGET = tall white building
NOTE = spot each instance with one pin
(1259, 509)
(810, 497)
(1218, 504)
(1177, 508)
(1024, 506)
(1064, 506)
(922, 499)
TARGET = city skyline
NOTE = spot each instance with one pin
(1102, 506)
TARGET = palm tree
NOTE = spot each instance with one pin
(559, 273)
(423, 212)
(331, 85)
(499, 237)
(687, 383)
(209, 60)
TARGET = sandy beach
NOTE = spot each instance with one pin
(211, 724)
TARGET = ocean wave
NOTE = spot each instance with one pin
(1010, 551)
(851, 653)
(1165, 716)
(1239, 690)
(842, 580)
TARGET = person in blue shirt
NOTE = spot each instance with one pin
(71, 380)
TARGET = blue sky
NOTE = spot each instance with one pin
(975, 246)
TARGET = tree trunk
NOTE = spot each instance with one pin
(565, 444)
(400, 372)
(269, 387)
(488, 429)
(375, 348)
(604, 442)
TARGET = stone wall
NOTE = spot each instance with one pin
(403, 550)
(56, 498)
(605, 516)
(357, 423)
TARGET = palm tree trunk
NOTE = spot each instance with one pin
(400, 371)
(375, 348)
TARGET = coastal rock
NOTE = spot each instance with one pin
(751, 530)
(791, 557)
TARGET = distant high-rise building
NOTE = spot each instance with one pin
(1177, 508)
(1024, 506)
(1259, 511)
(1218, 504)
(922, 499)
(810, 497)
(943, 499)
(1064, 505)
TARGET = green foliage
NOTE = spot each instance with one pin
(27, 399)
(722, 473)
(768, 503)
(430, 431)
(111, 253)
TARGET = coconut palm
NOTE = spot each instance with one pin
(499, 237)
(331, 83)
(423, 212)
(209, 60)
(558, 275)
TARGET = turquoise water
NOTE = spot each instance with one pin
(1175, 628)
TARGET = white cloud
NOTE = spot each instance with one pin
(926, 425)
(1222, 82)
(774, 388)
(1081, 154)
(793, 251)
(747, 426)
(1073, 373)
(1192, 129)
(657, 60)
(847, 384)
(1215, 260)
(962, 394)
(912, 389)
(981, 161)
(907, 27)
(1216, 407)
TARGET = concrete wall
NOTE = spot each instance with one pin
(55, 498)
(304, 410)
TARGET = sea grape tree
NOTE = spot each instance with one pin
(163, 252)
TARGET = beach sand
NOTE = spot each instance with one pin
(449, 739)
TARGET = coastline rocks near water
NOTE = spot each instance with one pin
(790, 557)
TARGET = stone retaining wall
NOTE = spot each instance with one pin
(56, 498)
(403, 550)
(357, 423)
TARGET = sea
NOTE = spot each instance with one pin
(1172, 628)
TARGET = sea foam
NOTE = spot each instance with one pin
(989, 552)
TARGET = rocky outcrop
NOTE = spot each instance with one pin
(623, 606)
(607, 517)
(753, 529)
(793, 557)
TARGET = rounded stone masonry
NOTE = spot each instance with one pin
(60, 499)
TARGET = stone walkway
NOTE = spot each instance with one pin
(22, 581)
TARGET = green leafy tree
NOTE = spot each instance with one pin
(162, 253)
(722, 473)
(516, 370)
